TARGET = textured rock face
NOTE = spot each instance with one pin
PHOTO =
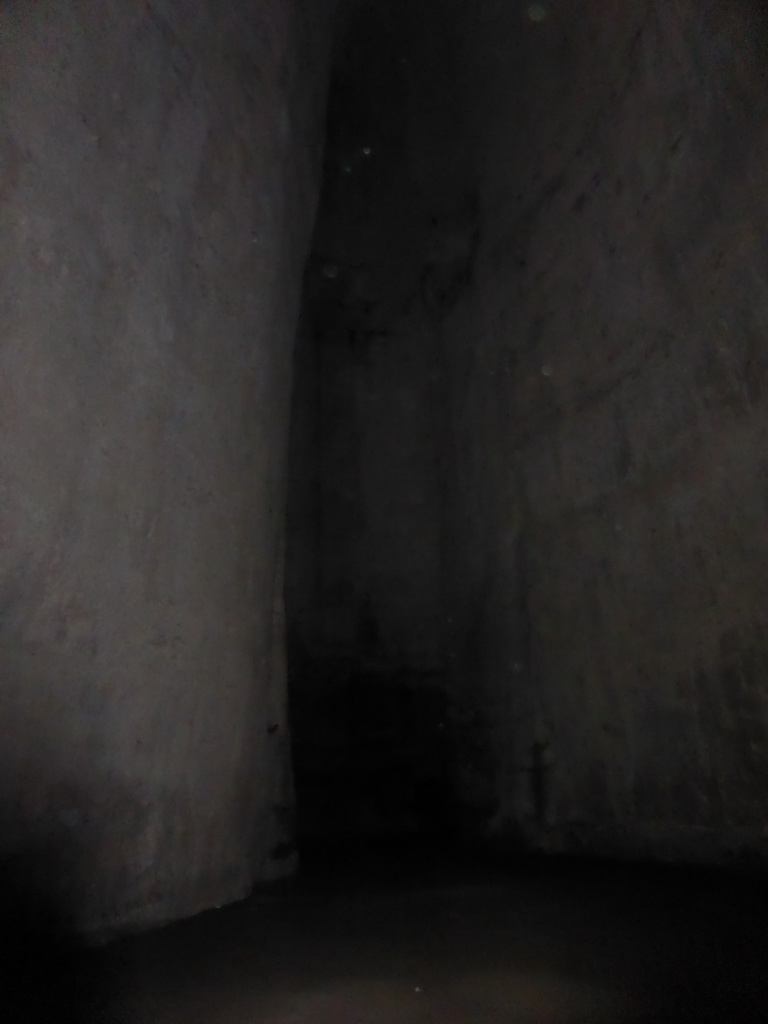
(158, 169)
(555, 281)
(541, 391)
(610, 424)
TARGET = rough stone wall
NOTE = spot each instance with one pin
(607, 371)
(158, 166)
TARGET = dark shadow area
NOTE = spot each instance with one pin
(372, 757)
(376, 733)
(47, 974)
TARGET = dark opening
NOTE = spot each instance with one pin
(371, 711)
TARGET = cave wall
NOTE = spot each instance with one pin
(607, 371)
(538, 307)
(159, 163)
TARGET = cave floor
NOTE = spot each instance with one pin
(442, 946)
